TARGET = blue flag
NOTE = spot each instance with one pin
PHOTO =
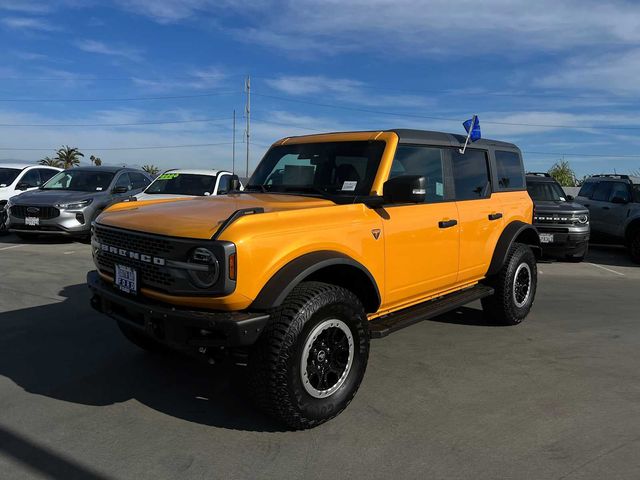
(475, 130)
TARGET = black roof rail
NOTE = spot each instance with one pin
(539, 174)
(612, 175)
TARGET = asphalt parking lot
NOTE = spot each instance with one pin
(557, 397)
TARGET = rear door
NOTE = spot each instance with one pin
(599, 206)
(614, 215)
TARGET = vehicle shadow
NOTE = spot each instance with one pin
(11, 238)
(68, 352)
(612, 255)
(474, 317)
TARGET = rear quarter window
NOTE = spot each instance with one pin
(509, 170)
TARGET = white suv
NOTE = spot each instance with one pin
(16, 178)
(187, 183)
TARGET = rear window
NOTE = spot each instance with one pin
(471, 175)
(587, 189)
(509, 170)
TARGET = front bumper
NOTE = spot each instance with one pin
(178, 328)
(66, 223)
(565, 242)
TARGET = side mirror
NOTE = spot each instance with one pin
(120, 190)
(22, 186)
(405, 189)
(619, 200)
(569, 198)
(234, 183)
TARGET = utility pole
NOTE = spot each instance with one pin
(247, 111)
(233, 148)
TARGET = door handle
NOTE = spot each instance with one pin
(447, 223)
(495, 216)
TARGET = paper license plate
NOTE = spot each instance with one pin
(546, 238)
(32, 221)
(126, 279)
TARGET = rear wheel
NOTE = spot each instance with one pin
(310, 360)
(634, 246)
(515, 287)
(140, 339)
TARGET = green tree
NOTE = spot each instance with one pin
(563, 173)
(69, 156)
(151, 169)
(97, 161)
(51, 162)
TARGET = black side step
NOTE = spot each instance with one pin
(383, 326)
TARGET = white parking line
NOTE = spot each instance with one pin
(70, 253)
(13, 246)
(607, 269)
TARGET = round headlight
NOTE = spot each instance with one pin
(206, 268)
(582, 219)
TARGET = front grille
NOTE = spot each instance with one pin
(44, 213)
(154, 276)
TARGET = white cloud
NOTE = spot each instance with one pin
(28, 23)
(197, 79)
(25, 6)
(95, 46)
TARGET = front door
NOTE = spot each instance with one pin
(421, 240)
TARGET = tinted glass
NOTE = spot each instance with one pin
(138, 180)
(31, 179)
(545, 191)
(223, 186)
(602, 191)
(509, 170)
(172, 183)
(424, 161)
(46, 174)
(8, 175)
(333, 168)
(123, 181)
(587, 189)
(80, 180)
(621, 190)
(470, 175)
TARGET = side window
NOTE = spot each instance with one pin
(470, 175)
(123, 181)
(602, 191)
(424, 161)
(30, 179)
(46, 174)
(620, 190)
(509, 170)
(587, 189)
(138, 180)
(223, 186)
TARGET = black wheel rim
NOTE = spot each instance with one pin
(522, 285)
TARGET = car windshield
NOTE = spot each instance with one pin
(326, 169)
(175, 183)
(546, 191)
(80, 181)
(8, 175)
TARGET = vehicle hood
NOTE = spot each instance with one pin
(197, 217)
(52, 197)
(559, 207)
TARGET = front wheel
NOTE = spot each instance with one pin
(311, 358)
(515, 287)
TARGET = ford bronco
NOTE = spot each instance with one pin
(336, 239)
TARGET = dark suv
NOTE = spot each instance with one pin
(614, 204)
(562, 224)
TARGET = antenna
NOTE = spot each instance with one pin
(247, 111)
(233, 148)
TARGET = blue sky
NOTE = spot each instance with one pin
(557, 78)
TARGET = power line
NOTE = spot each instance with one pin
(154, 147)
(427, 117)
(201, 120)
(590, 155)
(125, 99)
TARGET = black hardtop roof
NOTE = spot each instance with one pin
(539, 177)
(451, 139)
(612, 177)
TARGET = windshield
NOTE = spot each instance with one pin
(334, 168)
(546, 191)
(80, 181)
(8, 175)
(182, 184)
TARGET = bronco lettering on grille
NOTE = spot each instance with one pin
(132, 255)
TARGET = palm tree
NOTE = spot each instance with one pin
(97, 161)
(69, 157)
(151, 169)
(51, 162)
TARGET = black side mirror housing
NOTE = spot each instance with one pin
(22, 186)
(569, 198)
(405, 189)
(619, 200)
(234, 183)
(120, 190)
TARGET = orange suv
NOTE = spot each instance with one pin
(337, 238)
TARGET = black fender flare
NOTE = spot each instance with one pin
(275, 291)
(513, 232)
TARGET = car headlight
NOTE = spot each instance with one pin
(74, 205)
(205, 270)
(581, 219)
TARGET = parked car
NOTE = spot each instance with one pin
(614, 203)
(72, 199)
(337, 238)
(563, 225)
(187, 183)
(16, 178)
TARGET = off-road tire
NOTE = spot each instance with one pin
(634, 245)
(141, 340)
(502, 307)
(276, 365)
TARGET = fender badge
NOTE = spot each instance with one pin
(376, 233)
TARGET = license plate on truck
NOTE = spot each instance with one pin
(32, 221)
(546, 238)
(126, 279)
